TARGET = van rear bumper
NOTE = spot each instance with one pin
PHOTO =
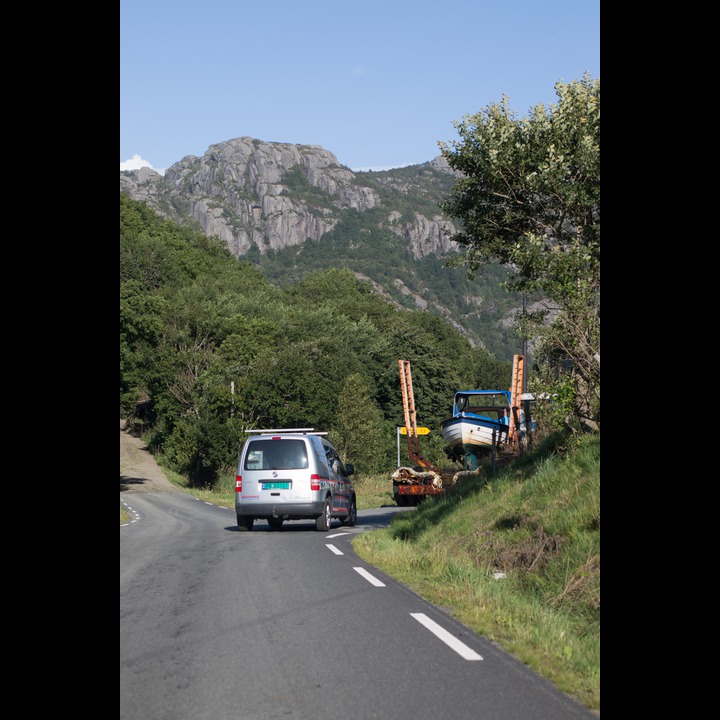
(292, 511)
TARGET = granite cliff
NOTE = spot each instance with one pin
(249, 192)
(263, 199)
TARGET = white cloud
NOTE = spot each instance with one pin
(136, 162)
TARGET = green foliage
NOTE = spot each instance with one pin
(360, 434)
(359, 243)
(568, 361)
(409, 190)
(209, 347)
(530, 200)
(158, 253)
(141, 324)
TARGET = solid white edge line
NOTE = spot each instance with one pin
(450, 640)
(373, 580)
(333, 548)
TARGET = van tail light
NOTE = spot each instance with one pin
(314, 481)
(238, 483)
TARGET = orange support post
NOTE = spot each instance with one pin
(516, 389)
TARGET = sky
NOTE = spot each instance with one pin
(378, 83)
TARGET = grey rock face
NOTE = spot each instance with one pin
(258, 196)
(272, 195)
(425, 236)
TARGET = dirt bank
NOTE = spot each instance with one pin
(138, 470)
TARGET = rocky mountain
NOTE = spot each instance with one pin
(294, 209)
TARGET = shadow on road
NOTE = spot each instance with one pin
(126, 482)
(374, 519)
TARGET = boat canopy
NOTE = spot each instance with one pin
(481, 402)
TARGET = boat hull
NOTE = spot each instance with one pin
(473, 432)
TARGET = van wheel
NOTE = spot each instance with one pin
(275, 523)
(323, 522)
(352, 513)
(245, 523)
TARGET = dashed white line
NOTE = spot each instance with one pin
(342, 534)
(333, 548)
(450, 640)
(135, 518)
(373, 580)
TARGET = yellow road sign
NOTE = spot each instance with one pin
(420, 431)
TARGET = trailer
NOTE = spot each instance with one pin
(413, 484)
(506, 434)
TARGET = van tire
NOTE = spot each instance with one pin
(352, 514)
(322, 523)
(245, 523)
(275, 523)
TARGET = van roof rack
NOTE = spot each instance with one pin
(280, 431)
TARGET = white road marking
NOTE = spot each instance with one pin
(134, 513)
(369, 577)
(333, 548)
(450, 640)
(342, 534)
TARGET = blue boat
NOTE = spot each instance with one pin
(480, 421)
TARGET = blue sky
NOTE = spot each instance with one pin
(378, 83)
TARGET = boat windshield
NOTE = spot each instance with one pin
(486, 404)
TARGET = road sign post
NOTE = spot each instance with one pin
(403, 431)
(420, 430)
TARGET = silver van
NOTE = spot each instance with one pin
(293, 474)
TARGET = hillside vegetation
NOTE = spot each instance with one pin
(516, 557)
(386, 227)
(209, 347)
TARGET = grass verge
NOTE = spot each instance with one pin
(515, 557)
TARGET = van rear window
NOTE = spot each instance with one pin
(281, 454)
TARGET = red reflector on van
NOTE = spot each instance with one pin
(314, 481)
(238, 483)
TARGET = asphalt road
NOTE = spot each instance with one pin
(292, 625)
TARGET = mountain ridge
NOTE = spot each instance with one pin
(292, 209)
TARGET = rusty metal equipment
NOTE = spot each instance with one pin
(411, 419)
(516, 390)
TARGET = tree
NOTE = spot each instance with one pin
(359, 426)
(529, 198)
(140, 327)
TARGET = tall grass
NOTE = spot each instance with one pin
(514, 556)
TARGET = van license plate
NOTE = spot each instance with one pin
(276, 486)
